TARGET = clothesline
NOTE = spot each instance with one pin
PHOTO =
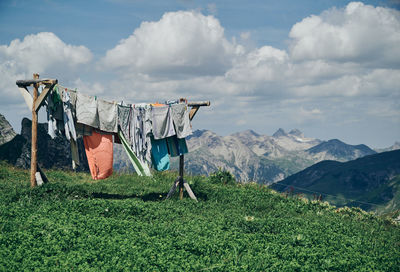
(96, 136)
(148, 132)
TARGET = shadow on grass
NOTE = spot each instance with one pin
(147, 197)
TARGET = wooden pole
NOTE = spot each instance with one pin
(181, 166)
(34, 134)
(180, 181)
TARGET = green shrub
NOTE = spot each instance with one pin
(222, 177)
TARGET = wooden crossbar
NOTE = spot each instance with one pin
(30, 82)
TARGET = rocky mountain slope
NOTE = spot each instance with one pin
(337, 150)
(395, 146)
(371, 182)
(52, 153)
(7, 133)
(262, 158)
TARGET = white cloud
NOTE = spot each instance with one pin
(357, 33)
(336, 63)
(42, 53)
(38, 52)
(180, 43)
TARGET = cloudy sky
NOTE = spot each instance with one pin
(330, 68)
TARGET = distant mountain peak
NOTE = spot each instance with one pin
(335, 141)
(247, 133)
(279, 133)
(296, 132)
(340, 149)
(201, 132)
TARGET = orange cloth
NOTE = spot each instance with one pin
(99, 152)
(157, 105)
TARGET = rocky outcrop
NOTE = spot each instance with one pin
(52, 153)
(7, 133)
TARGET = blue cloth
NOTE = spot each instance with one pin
(159, 154)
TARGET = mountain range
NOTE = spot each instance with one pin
(249, 156)
(371, 182)
(262, 158)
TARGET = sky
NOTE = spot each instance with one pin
(329, 68)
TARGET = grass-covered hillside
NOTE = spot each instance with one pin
(371, 182)
(124, 224)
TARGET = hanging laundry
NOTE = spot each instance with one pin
(180, 117)
(108, 116)
(142, 169)
(69, 126)
(72, 101)
(83, 130)
(99, 152)
(86, 110)
(163, 126)
(141, 141)
(176, 147)
(147, 130)
(159, 152)
(54, 113)
(125, 115)
(138, 143)
(135, 124)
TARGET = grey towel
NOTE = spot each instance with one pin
(86, 110)
(180, 117)
(107, 116)
(125, 115)
(163, 126)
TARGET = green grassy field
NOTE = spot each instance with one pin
(124, 224)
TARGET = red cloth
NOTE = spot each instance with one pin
(99, 152)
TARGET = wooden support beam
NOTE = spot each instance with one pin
(196, 106)
(43, 96)
(193, 112)
(181, 168)
(201, 103)
(173, 188)
(30, 82)
(34, 133)
(189, 190)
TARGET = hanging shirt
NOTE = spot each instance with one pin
(86, 110)
(54, 113)
(180, 117)
(69, 126)
(108, 115)
(99, 152)
(163, 125)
